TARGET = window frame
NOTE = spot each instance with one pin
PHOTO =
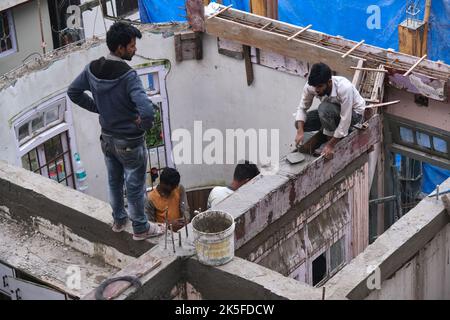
(12, 32)
(159, 96)
(56, 129)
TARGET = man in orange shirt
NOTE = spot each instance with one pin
(169, 194)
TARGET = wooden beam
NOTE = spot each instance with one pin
(248, 65)
(259, 7)
(384, 104)
(299, 32)
(356, 46)
(414, 65)
(358, 74)
(369, 69)
(264, 39)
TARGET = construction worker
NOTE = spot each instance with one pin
(125, 113)
(341, 107)
(243, 173)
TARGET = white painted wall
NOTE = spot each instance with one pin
(437, 114)
(426, 276)
(213, 90)
(93, 21)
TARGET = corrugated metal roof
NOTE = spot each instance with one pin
(6, 4)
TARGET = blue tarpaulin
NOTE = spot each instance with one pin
(432, 176)
(355, 20)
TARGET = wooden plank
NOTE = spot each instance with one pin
(220, 11)
(272, 41)
(369, 69)
(414, 65)
(300, 32)
(358, 74)
(356, 46)
(259, 7)
(178, 48)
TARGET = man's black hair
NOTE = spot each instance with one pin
(170, 176)
(246, 170)
(320, 74)
(121, 33)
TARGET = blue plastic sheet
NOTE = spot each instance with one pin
(355, 20)
(432, 176)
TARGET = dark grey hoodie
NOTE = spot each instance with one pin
(119, 97)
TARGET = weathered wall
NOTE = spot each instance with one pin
(426, 276)
(410, 260)
(337, 209)
(28, 34)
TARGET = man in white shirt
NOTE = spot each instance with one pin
(341, 107)
(243, 173)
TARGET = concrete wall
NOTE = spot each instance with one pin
(28, 34)
(426, 276)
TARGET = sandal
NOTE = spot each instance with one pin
(155, 230)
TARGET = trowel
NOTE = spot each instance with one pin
(295, 156)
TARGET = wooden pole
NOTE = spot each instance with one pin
(426, 19)
(41, 26)
(415, 65)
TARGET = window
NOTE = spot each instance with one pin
(45, 140)
(52, 159)
(328, 263)
(440, 145)
(406, 135)
(158, 137)
(7, 34)
(423, 140)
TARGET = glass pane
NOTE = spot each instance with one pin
(23, 131)
(53, 148)
(37, 123)
(337, 254)
(406, 135)
(52, 115)
(60, 169)
(52, 174)
(423, 140)
(440, 145)
(30, 163)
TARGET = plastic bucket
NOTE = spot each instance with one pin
(214, 237)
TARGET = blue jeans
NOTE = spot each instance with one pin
(126, 161)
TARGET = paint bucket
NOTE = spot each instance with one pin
(214, 237)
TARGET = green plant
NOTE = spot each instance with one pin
(153, 136)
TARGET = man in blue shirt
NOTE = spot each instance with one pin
(125, 113)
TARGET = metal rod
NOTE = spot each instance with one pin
(382, 200)
(167, 225)
(185, 226)
(437, 192)
(440, 193)
(179, 239)
(173, 240)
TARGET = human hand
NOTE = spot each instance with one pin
(299, 137)
(328, 151)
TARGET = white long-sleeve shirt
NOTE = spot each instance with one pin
(344, 93)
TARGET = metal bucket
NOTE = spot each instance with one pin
(214, 237)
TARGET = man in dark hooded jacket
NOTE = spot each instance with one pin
(125, 113)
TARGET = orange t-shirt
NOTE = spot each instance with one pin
(160, 203)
